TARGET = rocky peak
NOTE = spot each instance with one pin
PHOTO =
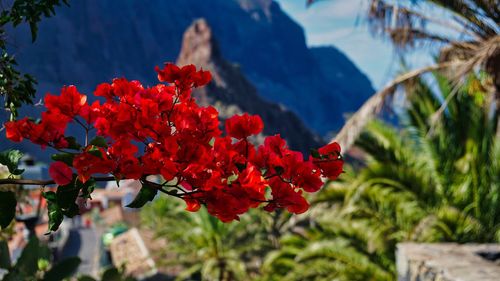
(231, 93)
(96, 41)
(198, 45)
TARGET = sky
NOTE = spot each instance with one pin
(341, 23)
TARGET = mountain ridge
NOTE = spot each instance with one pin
(94, 41)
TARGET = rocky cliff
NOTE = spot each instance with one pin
(231, 93)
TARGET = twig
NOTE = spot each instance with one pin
(43, 182)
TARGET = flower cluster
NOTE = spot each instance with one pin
(140, 131)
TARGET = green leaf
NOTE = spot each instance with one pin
(147, 193)
(63, 269)
(240, 166)
(72, 143)
(4, 255)
(88, 188)
(10, 158)
(27, 263)
(95, 151)
(67, 158)
(67, 194)
(72, 211)
(99, 141)
(315, 153)
(44, 252)
(112, 274)
(43, 264)
(50, 196)
(279, 170)
(55, 216)
(8, 204)
(232, 178)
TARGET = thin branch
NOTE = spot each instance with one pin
(43, 182)
(157, 186)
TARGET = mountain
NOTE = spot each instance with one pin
(94, 41)
(336, 67)
(231, 93)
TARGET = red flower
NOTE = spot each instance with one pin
(17, 130)
(87, 164)
(201, 78)
(302, 174)
(242, 126)
(187, 76)
(330, 161)
(162, 131)
(169, 73)
(104, 90)
(192, 205)
(285, 196)
(69, 103)
(89, 113)
(60, 173)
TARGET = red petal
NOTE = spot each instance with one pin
(61, 173)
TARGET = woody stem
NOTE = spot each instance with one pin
(43, 182)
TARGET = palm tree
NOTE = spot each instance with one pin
(205, 247)
(424, 181)
(467, 32)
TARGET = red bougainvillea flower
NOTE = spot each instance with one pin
(192, 205)
(17, 130)
(133, 132)
(88, 163)
(243, 126)
(330, 161)
(69, 103)
(61, 173)
(285, 196)
(187, 76)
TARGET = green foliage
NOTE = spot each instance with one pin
(8, 204)
(63, 269)
(115, 274)
(99, 141)
(30, 12)
(19, 88)
(203, 245)
(62, 202)
(33, 265)
(10, 158)
(4, 255)
(146, 194)
(429, 180)
(110, 274)
(64, 157)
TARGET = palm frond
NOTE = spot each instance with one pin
(354, 126)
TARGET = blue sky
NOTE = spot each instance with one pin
(341, 23)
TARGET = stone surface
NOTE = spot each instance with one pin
(447, 262)
(129, 249)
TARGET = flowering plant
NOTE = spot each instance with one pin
(135, 131)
